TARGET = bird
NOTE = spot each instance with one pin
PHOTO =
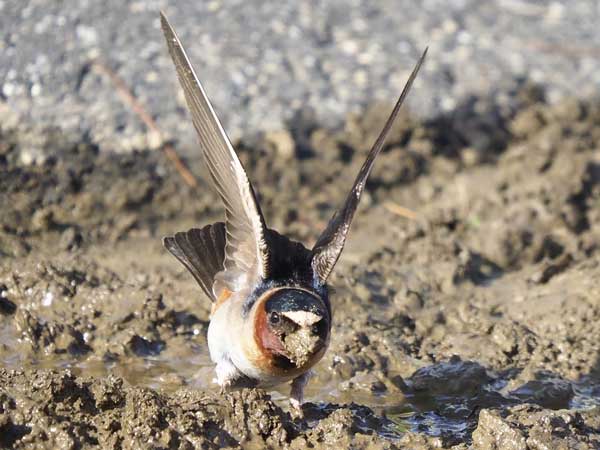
(271, 314)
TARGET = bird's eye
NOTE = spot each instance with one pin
(274, 318)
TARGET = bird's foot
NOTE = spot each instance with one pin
(226, 373)
(297, 393)
(296, 409)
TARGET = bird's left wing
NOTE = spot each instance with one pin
(330, 244)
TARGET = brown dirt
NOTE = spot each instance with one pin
(475, 324)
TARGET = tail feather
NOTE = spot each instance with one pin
(201, 251)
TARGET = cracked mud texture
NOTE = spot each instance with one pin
(474, 324)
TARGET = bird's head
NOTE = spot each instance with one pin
(292, 327)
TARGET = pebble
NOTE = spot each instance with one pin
(282, 142)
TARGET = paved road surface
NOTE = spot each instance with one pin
(263, 61)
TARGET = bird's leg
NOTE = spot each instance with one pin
(226, 373)
(297, 392)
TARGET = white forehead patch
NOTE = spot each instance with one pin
(302, 318)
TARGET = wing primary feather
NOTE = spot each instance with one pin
(247, 253)
(201, 251)
(330, 244)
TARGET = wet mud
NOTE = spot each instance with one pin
(466, 305)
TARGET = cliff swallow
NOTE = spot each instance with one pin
(271, 314)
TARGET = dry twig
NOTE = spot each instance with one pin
(139, 109)
(395, 208)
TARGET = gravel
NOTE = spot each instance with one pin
(267, 63)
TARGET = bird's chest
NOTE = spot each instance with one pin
(231, 336)
(226, 330)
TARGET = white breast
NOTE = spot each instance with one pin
(226, 334)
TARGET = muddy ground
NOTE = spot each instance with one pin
(473, 324)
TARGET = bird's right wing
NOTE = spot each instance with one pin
(246, 250)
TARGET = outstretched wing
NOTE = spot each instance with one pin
(330, 244)
(246, 250)
(202, 252)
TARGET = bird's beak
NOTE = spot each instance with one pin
(302, 318)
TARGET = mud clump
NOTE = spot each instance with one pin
(526, 426)
(108, 413)
(465, 314)
(300, 345)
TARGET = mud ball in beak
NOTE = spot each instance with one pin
(301, 322)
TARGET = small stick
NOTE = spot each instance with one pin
(395, 208)
(129, 99)
(565, 49)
